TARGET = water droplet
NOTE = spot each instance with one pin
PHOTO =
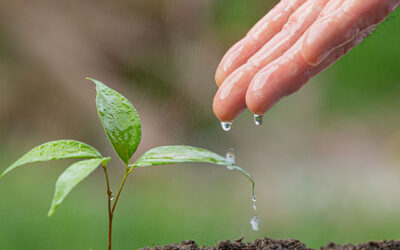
(111, 197)
(226, 126)
(230, 157)
(255, 221)
(258, 119)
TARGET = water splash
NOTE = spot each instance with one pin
(258, 119)
(226, 126)
(255, 222)
(230, 157)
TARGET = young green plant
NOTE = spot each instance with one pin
(122, 125)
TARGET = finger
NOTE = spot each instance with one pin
(230, 98)
(342, 25)
(330, 7)
(297, 24)
(263, 31)
(288, 73)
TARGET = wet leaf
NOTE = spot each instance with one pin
(180, 154)
(62, 149)
(120, 120)
(71, 177)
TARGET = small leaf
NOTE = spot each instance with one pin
(179, 154)
(62, 149)
(71, 177)
(120, 120)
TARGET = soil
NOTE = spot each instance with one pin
(272, 244)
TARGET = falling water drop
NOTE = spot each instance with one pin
(258, 119)
(226, 126)
(230, 157)
(255, 221)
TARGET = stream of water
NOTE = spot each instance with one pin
(254, 221)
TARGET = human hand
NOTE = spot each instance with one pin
(295, 41)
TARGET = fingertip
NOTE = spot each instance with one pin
(314, 49)
(225, 112)
(219, 76)
(230, 99)
(256, 102)
(261, 95)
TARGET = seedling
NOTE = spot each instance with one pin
(122, 125)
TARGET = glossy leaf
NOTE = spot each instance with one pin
(180, 154)
(120, 120)
(71, 177)
(62, 149)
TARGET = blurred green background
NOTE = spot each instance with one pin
(326, 160)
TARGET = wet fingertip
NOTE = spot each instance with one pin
(220, 111)
(312, 53)
(224, 114)
(258, 103)
(254, 101)
(219, 77)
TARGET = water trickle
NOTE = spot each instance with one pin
(258, 119)
(230, 157)
(255, 221)
(226, 126)
(253, 197)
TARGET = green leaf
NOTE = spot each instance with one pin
(62, 149)
(71, 177)
(179, 154)
(120, 120)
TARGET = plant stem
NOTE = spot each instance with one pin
(110, 197)
(127, 171)
(110, 214)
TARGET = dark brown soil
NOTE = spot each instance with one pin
(271, 244)
(372, 245)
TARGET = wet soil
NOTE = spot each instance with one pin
(272, 244)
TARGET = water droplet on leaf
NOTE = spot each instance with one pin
(230, 157)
